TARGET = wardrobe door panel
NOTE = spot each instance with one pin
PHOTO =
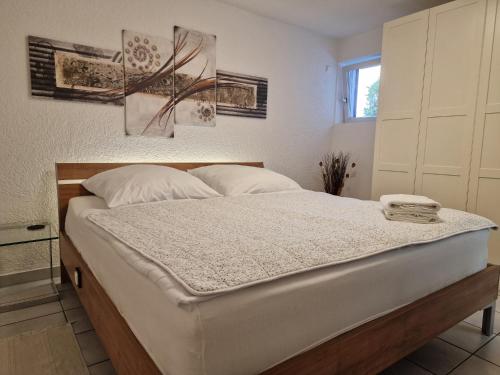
(396, 182)
(484, 185)
(488, 205)
(445, 189)
(494, 79)
(395, 142)
(403, 60)
(445, 142)
(402, 91)
(490, 154)
(455, 29)
(452, 68)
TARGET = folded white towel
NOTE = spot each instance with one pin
(409, 203)
(412, 217)
(410, 208)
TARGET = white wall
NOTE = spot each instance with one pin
(35, 133)
(356, 138)
(360, 45)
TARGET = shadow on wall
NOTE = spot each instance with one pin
(358, 139)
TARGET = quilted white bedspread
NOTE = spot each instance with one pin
(218, 245)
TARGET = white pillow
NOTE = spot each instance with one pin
(233, 180)
(141, 183)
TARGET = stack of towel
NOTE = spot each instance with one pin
(411, 208)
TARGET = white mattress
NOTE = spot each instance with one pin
(252, 329)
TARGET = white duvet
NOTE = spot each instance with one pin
(218, 245)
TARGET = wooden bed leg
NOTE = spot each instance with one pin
(489, 319)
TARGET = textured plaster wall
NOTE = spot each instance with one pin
(35, 133)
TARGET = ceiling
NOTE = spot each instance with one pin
(335, 18)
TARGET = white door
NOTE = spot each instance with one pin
(484, 187)
(402, 74)
(450, 91)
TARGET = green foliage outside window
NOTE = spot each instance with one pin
(371, 106)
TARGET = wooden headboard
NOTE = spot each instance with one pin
(70, 175)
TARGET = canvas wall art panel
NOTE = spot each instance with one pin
(70, 71)
(241, 95)
(195, 77)
(148, 68)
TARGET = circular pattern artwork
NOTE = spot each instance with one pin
(205, 111)
(141, 54)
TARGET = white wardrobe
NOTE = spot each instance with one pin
(438, 127)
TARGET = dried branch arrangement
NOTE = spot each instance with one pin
(334, 167)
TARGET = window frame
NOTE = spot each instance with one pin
(345, 89)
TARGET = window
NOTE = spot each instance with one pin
(361, 86)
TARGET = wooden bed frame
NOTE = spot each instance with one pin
(367, 349)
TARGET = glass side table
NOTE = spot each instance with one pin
(17, 296)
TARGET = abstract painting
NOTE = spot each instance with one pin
(195, 77)
(241, 95)
(160, 82)
(69, 71)
(148, 69)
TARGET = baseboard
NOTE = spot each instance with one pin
(27, 276)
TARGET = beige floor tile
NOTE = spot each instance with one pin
(79, 320)
(466, 336)
(29, 313)
(66, 286)
(25, 295)
(32, 324)
(438, 356)
(92, 350)
(476, 366)
(405, 367)
(69, 299)
(491, 351)
(476, 319)
(103, 368)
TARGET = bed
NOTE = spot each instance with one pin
(357, 317)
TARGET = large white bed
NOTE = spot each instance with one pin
(252, 329)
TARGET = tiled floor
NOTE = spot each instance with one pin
(462, 350)
(68, 309)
